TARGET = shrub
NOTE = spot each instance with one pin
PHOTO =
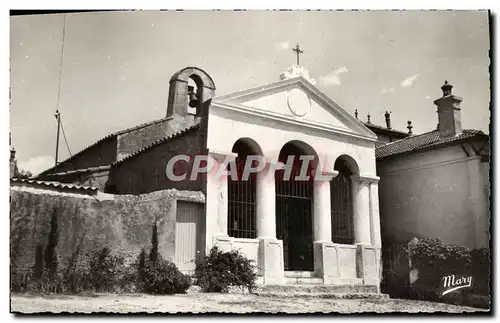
(105, 270)
(221, 270)
(38, 266)
(435, 260)
(163, 277)
(153, 255)
(481, 267)
(157, 275)
(50, 251)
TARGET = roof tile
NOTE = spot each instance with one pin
(157, 142)
(55, 184)
(417, 142)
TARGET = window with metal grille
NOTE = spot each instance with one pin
(342, 204)
(242, 198)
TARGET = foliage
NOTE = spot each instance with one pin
(221, 270)
(38, 266)
(100, 270)
(157, 275)
(141, 265)
(153, 255)
(50, 251)
(434, 260)
(163, 277)
(103, 270)
(22, 174)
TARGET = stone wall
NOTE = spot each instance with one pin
(146, 172)
(122, 223)
(141, 137)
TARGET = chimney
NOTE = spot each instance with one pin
(388, 120)
(409, 127)
(448, 109)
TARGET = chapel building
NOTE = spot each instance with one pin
(324, 228)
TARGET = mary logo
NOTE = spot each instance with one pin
(452, 283)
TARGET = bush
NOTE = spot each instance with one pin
(105, 270)
(153, 255)
(481, 267)
(156, 275)
(221, 270)
(51, 262)
(435, 260)
(162, 277)
(98, 271)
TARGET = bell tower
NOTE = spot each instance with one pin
(191, 91)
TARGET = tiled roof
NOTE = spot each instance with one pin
(418, 142)
(157, 142)
(55, 185)
(398, 132)
(106, 138)
(81, 170)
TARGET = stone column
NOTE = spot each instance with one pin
(361, 202)
(375, 229)
(216, 202)
(270, 258)
(322, 209)
(375, 215)
(325, 255)
(266, 202)
(367, 229)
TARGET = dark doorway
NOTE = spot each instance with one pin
(294, 221)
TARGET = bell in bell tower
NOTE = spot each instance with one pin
(191, 91)
(193, 97)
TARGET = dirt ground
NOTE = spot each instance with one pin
(217, 303)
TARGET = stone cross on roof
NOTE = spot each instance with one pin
(298, 51)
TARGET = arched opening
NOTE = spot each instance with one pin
(294, 205)
(190, 89)
(195, 93)
(242, 205)
(192, 97)
(342, 200)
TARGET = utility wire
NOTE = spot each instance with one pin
(65, 140)
(62, 56)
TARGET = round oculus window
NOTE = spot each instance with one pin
(298, 102)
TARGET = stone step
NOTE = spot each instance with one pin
(317, 288)
(323, 295)
(299, 274)
(299, 280)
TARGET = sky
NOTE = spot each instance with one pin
(116, 66)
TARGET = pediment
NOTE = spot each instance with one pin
(298, 100)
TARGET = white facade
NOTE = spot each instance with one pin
(272, 115)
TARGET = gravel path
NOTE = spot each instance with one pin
(229, 303)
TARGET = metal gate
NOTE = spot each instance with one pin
(342, 209)
(242, 203)
(188, 245)
(294, 222)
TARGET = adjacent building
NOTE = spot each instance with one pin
(436, 184)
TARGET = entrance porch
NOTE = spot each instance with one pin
(321, 231)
